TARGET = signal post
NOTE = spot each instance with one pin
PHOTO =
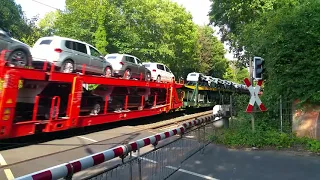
(256, 74)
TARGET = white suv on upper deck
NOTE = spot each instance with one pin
(159, 71)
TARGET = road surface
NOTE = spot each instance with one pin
(219, 163)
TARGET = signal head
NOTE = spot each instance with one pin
(258, 63)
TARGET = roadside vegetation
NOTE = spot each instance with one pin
(267, 135)
(285, 33)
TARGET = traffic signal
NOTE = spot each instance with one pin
(258, 68)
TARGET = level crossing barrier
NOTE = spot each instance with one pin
(159, 163)
(162, 161)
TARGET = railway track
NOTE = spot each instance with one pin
(139, 128)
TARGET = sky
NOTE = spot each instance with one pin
(198, 8)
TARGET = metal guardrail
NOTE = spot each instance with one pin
(67, 170)
(162, 161)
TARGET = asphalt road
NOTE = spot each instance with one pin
(227, 164)
(218, 163)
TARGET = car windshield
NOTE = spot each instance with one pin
(146, 65)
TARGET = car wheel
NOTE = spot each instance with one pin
(127, 74)
(118, 107)
(140, 108)
(96, 109)
(18, 58)
(148, 77)
(67, 67)
(108, 72)
(173, 79)
(159, 78)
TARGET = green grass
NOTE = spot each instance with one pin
(241, 135)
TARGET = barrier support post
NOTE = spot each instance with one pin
(139, 165)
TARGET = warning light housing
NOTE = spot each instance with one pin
(258, 70)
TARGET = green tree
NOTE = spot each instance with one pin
(229, 74)
(231, 17)
(153, 30)
(12, 18)
(101, 33)
(47, 24)
(162, 32)
(31, 32)
(211, 53)
(287, 39)
(236, 74)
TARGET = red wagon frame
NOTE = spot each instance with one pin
(8, 97)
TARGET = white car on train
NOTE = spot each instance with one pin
(195, 77)
(159, 72)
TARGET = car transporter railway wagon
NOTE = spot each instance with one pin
(58, 101)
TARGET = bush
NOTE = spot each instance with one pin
(266, 132)
(313, 145)
(241, 135)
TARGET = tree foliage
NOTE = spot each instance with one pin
(11, 18)
(284, 33)
(211, 53)
(231, 17)
(287, 39)
(236, 74)
(153, 30)
(47, 23)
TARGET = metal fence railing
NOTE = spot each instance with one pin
(170, 150)
(162, 161)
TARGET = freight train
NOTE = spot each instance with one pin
(45, 100)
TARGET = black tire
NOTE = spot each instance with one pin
(96, 109)
(140, 108)
(159, 78)
(127, 74)
(148, 77)
(107, 72)
(18, 58)
(119, 107)
(65, 64)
